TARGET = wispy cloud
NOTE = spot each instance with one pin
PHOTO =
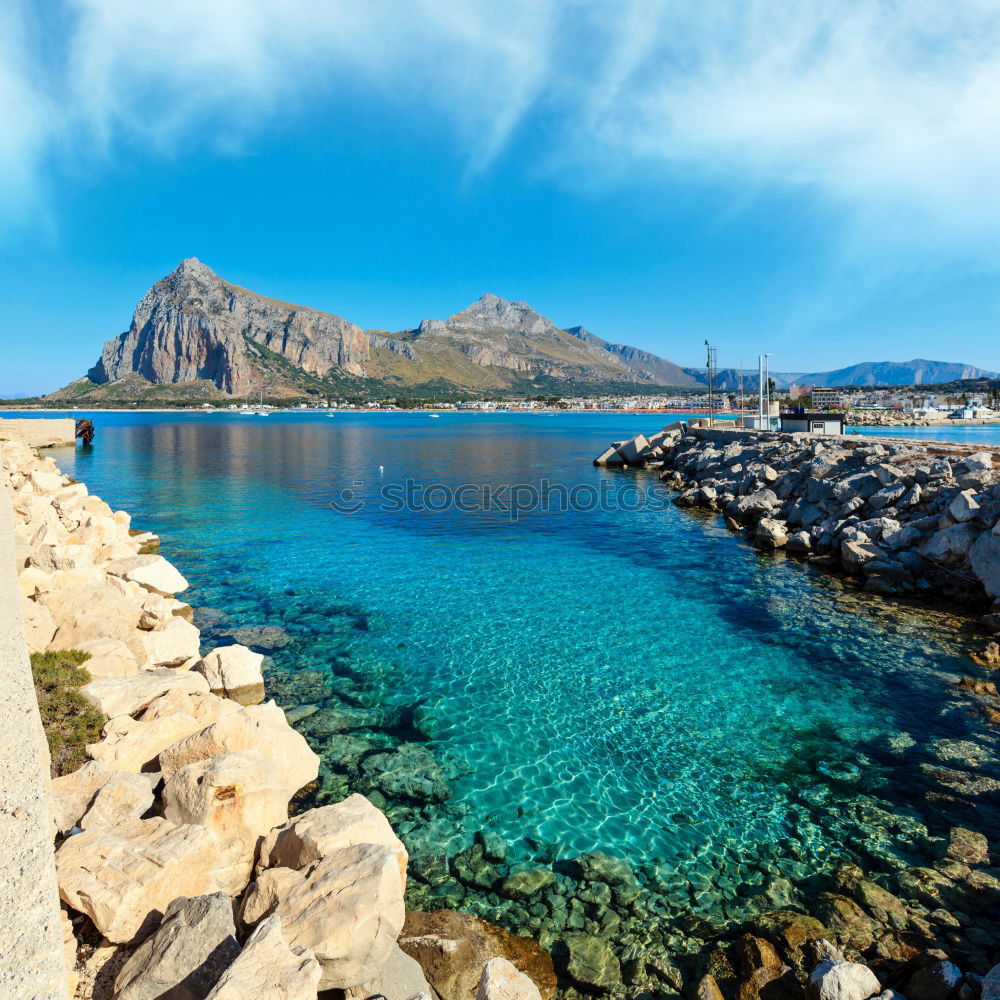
(885, 110)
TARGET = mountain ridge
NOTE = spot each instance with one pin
(195, 331)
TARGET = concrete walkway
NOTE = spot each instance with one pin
(32, 964)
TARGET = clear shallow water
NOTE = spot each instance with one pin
(637, 681)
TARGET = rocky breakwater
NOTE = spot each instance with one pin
(180, 870)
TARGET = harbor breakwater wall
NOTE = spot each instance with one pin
(903, 517)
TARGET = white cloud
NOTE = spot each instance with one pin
(888, 110)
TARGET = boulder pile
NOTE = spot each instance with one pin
(179, 868)
(905, 518)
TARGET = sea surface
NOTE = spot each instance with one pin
(608, 673)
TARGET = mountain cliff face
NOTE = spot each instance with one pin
(192, 326)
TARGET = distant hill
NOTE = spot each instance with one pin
(196, 336)
(867, 373)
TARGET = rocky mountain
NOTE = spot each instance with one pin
(868, 373)
(915, 372)
(193, 328)
(642, 362)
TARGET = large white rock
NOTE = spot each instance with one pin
(255, 727)
(318, 832)
(502, 980)
(234, 672)
(124, 878)
(171, 643)
(151, 571)
(347, 908)
(109, 658)
(240, 797)
(964, 507)
(129, 695)
(400, 978)
(93, 797)
(135, 744)
(268, 969)
(833, 980)
(39, 626)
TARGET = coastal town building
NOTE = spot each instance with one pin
(812, 422)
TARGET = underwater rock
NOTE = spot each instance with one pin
(471, 867)
(596, 866)
(527, 884)
(592, 963)
(968, 846)
(265, 637)
(410, 772)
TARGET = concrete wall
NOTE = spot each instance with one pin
(32, 963)
(39, 432)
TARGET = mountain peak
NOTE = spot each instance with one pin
(490, 312)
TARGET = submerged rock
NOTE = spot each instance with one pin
(592, 963)
(409, 772)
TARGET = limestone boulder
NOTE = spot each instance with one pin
(39, 626)
(400, 978)
(91, 612)
(135, 744)
(502, 981)
(125, 877)
(771, 533)
(856, 555)
(452, 948)
(984, 557)
(109, 658)
(234, 672)
(314, 834)
(240, 797)
(347, 909)
(129, 695)
(151, 571)
(94, 797)
(964, 507)
(172, 643)
(269, 969)
(832, 980)
(255, 727)
(186, 956)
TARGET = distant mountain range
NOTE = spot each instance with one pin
(196, 336)
(869, 373)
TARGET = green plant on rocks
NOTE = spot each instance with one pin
(69, 720)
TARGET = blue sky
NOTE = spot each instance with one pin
(815, 180)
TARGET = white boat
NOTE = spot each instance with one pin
(434, 416)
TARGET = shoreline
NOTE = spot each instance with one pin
(597, 894)
(853, 429)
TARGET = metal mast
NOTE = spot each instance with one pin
(712, 374)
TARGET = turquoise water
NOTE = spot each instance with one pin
(634, 680)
